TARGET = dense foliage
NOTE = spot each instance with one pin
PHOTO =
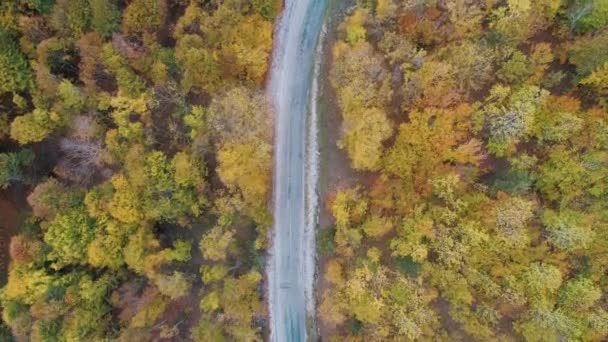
(140, 134)
(484, 126)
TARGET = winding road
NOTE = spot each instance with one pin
(292, 92)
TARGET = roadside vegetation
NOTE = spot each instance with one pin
(483, 125)
(141, 134)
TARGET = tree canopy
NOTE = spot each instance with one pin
(136, 132)
(480, 214)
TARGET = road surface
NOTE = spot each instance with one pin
(291, 263)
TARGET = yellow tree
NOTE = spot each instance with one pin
(428, 143)
(34, 126)
(363, 139)
(246, 166)
(247, 48)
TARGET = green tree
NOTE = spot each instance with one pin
(69, 235)
(326, 244)
(213, 274)
(73, 100)
(179, 253)
(87, 319)
(588, 15)
(206, 330)
(40, 6)
(187, 170)
(15, 72)
(269, 9)
(5, 333)
(541, 282)
(598, 80)
(509, 116)
(563, 176)
(131, 85)
(589, 54)
(71, 17)
(34, 126)
(46, 330)
(354, 29)
(411, 235)
(544, 325)
(12, 167)
(579, 295)
(200, 67)
(349, 207)
(567, 230)
(162, 196)
(516, 69)
(240, 303)
(558, 120)
(105, 18)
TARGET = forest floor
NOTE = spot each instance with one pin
(9, 223)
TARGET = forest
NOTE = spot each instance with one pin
(478, 130)
(136, 171)
(138, 135)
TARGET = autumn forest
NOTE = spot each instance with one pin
(464, 187)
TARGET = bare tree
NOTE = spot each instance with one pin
(81, 161)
